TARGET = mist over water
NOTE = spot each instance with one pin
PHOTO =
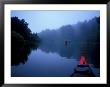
(59, 50)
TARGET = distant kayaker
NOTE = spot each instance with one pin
(66, 42)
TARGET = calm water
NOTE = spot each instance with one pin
(45, 64)
(48, 61)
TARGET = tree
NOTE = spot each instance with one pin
(20, 26)
(22, 41)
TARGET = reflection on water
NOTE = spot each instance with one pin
(20, 54)
(67, 51)
(55, 52)
(45, 64)
(47, 60)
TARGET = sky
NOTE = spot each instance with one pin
(41, 20)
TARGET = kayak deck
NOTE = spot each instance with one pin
(83, 70)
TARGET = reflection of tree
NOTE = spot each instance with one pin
(84, 39)
(21, 55)
(22, 41)
(60, 48)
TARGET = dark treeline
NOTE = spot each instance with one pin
(83, 39)
(22, 41)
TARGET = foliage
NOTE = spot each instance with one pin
(84, 38)
(22, 40)
(18, 40)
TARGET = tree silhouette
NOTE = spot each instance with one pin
(22, 41)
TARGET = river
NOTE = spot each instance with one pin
(45, 64)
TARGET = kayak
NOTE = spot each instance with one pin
(83, 70)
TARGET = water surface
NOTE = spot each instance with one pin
(45, 64)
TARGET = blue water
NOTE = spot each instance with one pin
(45, 64)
